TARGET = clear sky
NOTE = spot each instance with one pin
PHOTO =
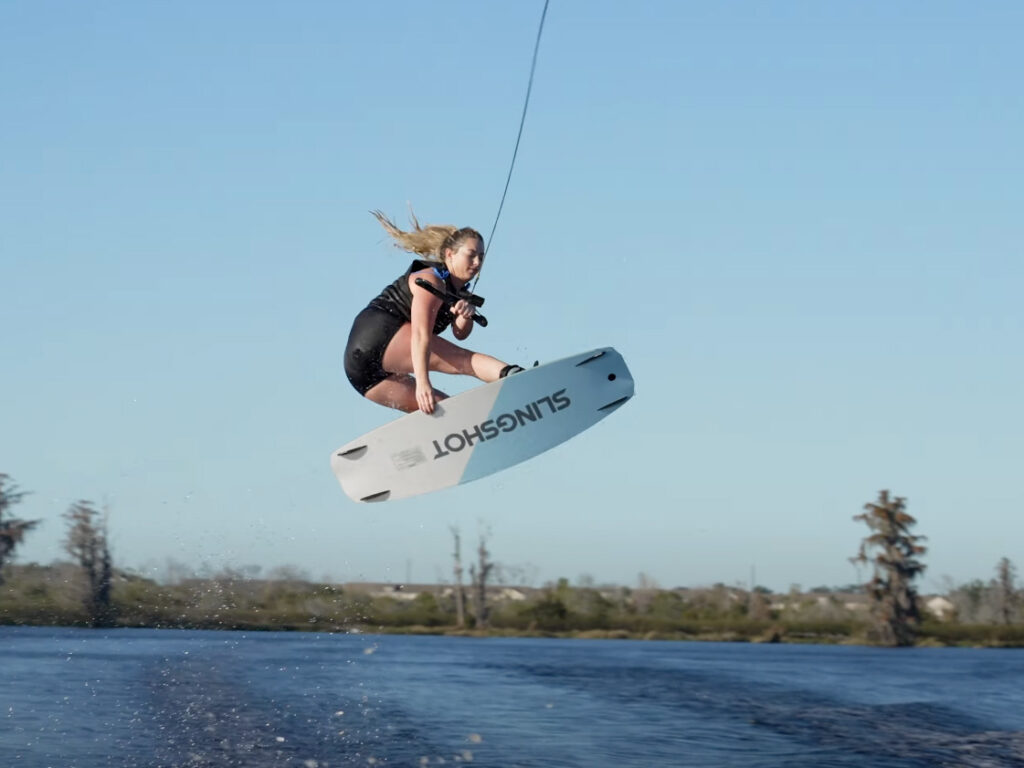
(800, 223)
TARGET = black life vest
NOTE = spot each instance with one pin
(396, 298)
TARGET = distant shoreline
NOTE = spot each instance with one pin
(34, 595)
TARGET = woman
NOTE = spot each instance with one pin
(397, 334)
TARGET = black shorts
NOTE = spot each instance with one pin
(372, 331)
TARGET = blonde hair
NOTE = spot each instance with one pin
(430, 241)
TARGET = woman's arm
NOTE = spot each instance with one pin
(462, 324)
(424, 312)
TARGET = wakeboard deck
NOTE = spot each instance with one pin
(485, 429)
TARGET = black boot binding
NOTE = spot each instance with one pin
(509, 370)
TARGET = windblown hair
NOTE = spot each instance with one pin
(430, 241)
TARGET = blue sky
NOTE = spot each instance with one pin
(798, 222)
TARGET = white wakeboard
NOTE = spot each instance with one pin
(485, 429)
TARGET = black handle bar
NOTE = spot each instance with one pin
(476, 301)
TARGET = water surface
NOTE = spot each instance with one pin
(93, 699)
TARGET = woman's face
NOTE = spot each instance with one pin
(465, 261)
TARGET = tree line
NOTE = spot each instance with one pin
(892, 613)
(86, 541)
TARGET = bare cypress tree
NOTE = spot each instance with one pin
(12, 530)
(479, 573)
(1006, 593)
(87, 542)
(460, 595)
(893, 551)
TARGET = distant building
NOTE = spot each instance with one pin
(406, 592)
(940, 607)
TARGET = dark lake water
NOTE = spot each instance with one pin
(93, 699)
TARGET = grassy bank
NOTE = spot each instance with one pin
(52, 596)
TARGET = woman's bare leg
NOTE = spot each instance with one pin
(445, 357)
